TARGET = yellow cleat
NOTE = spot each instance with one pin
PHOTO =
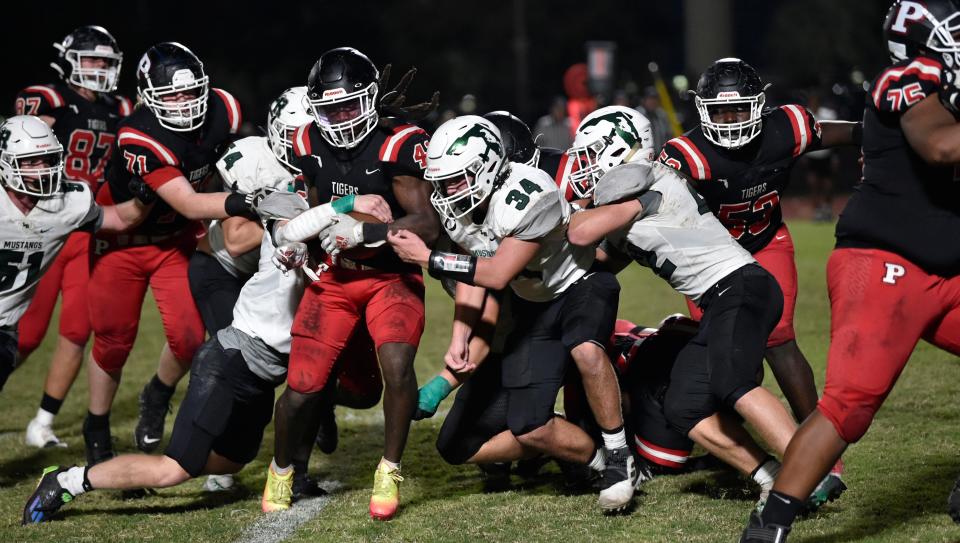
(278, 492)
(386, 493)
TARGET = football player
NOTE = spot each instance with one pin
(165, 149)
(511, 219)
(348, 151)
(891, 277)
(39, 214)
(229, 399)
(83, 110)
(739, 159)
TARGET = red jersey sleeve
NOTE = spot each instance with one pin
(38, 100)
(146, 157)
(405, 151)
(682, 154)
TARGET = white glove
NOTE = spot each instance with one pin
(294, 255)
(308, 225)
(347, 233)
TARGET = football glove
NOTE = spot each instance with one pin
(949, 91)
(293, 255)
(141, 190)
(347, 233)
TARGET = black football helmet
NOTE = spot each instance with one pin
(89, 58)
(926, 28)
(342, 93)
(730, 82)
(168, 70)
(518, 142)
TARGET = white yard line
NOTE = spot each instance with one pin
(276, 527)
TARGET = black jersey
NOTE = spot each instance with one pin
(743, 186)
(904, 204)
(86, 129)
(558, 164)
(369, 168)
(145, 148)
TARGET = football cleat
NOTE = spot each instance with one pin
(529, 468)
(278, 492)
(385, 499)
(218, 483)
(495, 476)
(305, 486)
(41, 436)
(48, 497)
(829, 489)
(618, 481)
(327, 435)
(578, 478)
(153, 414)
(757, 532)
(953, 502)
(99, 445)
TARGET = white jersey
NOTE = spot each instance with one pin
(247, 165)
(29, 243)
(268, 301)
(676, 235)
(528, 206)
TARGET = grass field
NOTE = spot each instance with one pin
(899, 475)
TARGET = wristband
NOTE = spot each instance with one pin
(344, 204)
(459, 267)
(432, 393)
(236, 204)
(373, 232)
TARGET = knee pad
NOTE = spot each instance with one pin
(852, 415)
(526, 423)
(456, 448)
(110, 356)
(185, 341)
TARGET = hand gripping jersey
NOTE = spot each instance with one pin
(675, 235)
(743, 186)
(247, 165)
(87, 130)
(145, 148)
(29, 243)
(368, 168)
(528, 207)
(904, 205)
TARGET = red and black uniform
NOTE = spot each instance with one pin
(87, 131)
(157, 252)
(380, 289)
(892, 277)
(558, 164)
(743, 188)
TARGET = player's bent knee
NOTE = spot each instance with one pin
(171, 473)
(850, 418)
(110, 357)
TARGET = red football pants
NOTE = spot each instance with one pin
(118, 283)
(880, 306)
(68, 274)
(389, 304)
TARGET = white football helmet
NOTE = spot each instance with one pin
(31, 158)
(287, 113)
(608, 137)
(466, 150)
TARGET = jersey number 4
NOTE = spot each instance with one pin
(10, 266)
(735, 216)
(520, 200)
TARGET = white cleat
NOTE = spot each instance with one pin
(218, 483)
(41, 436)
(618, 482)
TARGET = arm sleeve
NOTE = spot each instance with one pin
(904, 84)
(38, 100)
(800, 129)
(405, 152)
(679, 155)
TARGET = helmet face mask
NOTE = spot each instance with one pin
(731, 135)
(31, 158)
(342, 95)
(466, 151)
(89, 58)
(606, 138)
(172, 84)
(287, 113)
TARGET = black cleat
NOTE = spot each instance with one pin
(327, 435)
(99, 445)
(757, 532)
(529, 468)
(953, 502)
(48, 497)
(619, 481)
(154, 407)
(496, 476)
(578, 478)
(305, 486)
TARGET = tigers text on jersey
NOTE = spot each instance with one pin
(247, 165)
(368, 168)
(676, 235)
(145, 148)
(86, 129)
(743, 186)
(528, 206)
(904, 205)
(29, 243)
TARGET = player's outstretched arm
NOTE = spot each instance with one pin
(591, 225)
(932, 131)
(836, 133)
(120, 217)
(241, 235)
(179, 194)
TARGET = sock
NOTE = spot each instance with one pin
(614, 439)
(50, 404)
(599, 460)
(44, 417)
(164, 390)
(780, 509)
(74, 480)
(299, 467)
(94, 423)
(390, 465)
(278, 470)
(766, 473)
(837, 468)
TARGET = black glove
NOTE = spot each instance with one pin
(141, 190)
(949, 93)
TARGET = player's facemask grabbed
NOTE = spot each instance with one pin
(465, 161)
(606, 138)
(31, 158)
